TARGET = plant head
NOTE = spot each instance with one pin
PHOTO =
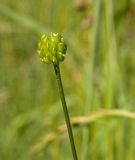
(52, 48)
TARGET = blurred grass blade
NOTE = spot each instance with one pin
(89, 75)
(22, 19)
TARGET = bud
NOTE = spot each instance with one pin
(52, 48)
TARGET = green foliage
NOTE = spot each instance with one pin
(98, 73)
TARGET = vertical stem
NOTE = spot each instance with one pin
(64, 105)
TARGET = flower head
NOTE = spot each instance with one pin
(52, 48)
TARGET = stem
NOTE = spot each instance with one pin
(64, 105)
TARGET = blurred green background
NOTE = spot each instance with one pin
(98, 73)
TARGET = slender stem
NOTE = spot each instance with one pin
(64, 105)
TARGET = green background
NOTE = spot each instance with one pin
(98, 73)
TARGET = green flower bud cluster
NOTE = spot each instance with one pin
(52, 48)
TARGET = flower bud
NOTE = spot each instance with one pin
(52, 48)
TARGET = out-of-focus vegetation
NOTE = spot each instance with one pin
(98, 73)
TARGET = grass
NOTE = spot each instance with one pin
(97, 74)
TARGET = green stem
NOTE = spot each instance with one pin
(64, 105)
